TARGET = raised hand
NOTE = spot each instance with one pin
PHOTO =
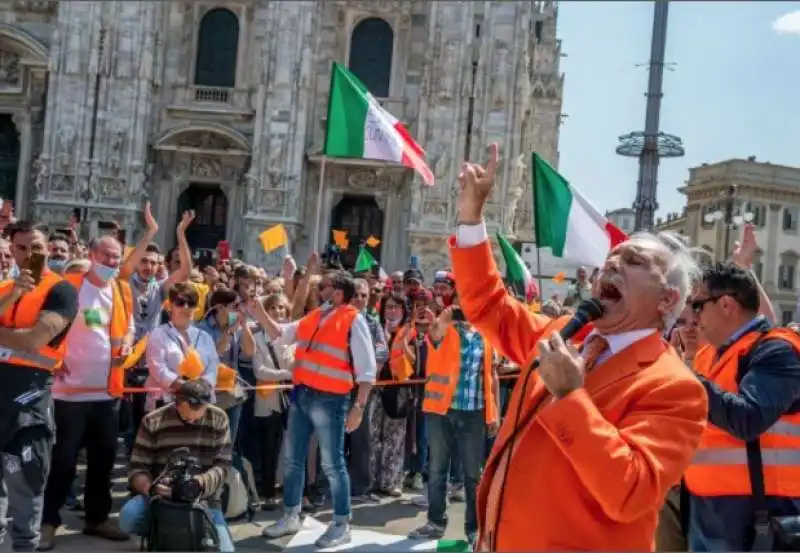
(149, 220)
(186, 220)
(744, 251)
(475, 185)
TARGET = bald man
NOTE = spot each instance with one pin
(86, 404)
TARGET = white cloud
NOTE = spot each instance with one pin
(787, 24)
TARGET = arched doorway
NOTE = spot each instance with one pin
(210, 217)
(9, 157)
(361, 218)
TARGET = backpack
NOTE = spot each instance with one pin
(179, 527)
(397, 401)
(239, 495)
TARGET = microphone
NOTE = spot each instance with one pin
(586, 312)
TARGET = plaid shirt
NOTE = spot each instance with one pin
(469, 391)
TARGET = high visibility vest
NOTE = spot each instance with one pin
(322, 358)
(25, 314)
(443, 369)
(121, 313)
(401, 367)
(719, 467)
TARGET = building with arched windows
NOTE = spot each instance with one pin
(221, 107)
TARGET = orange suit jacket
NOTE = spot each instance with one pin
(591, 470)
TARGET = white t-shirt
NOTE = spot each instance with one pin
(88, 358)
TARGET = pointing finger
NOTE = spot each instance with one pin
(494, 157)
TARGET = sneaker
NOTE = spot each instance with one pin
(337, 533)
(429, 531)
(457, 493)
(472, 539)
(394, 492)
(106, 530)
(287, 525)
(420, 500)
(416, 483)
(365, 498)
(47, 535)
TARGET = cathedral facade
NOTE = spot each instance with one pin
(221, 107)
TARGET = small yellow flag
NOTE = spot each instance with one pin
(535, 307)
(273, 238)
(340, 239)
(373, 242)
(558, 278)
(136, 353)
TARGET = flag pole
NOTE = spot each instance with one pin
(318, 220)
(536, 228)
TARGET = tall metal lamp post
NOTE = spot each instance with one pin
(725, 213)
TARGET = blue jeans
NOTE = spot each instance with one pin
(133, 518)
(323, 414)
(458, 435)
(234, 416)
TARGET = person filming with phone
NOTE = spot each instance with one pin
(37, 308)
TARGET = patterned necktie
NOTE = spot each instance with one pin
(594, 347)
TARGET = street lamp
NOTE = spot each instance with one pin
(725, 214)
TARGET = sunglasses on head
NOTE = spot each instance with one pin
(183, 302)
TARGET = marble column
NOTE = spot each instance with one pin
(773, 221)
(22, 121)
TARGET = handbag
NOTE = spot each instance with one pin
(283, 395)
(228, 399)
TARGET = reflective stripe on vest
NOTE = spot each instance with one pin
(439, 380)
(719, 466)
(29, 357)
(333, 351)
(322, 359)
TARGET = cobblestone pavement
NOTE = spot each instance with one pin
(392, 516)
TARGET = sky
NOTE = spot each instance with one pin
(732, 92)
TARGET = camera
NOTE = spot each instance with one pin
(178, 475)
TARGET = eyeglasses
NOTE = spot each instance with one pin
(183, 302)
(698, 305)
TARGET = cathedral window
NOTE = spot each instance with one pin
(371, 48)
(217, 49)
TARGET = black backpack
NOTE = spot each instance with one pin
(179, 527)
(397, 401)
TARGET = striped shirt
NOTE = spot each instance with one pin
(469, 391)
(163, 431)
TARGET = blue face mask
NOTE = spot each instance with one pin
(13, 273)
(103, 272)
(232, 319)
(57, 265)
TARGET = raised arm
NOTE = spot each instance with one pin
(488, 306)
(184, 251)
(132, 261)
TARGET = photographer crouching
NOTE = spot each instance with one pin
(179, 463)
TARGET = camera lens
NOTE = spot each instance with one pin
(190, 490)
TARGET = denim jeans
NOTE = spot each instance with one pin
(323, 414)
(457, 435)
(234, 416)
(133, 518)
(456, 472)
(418, 461)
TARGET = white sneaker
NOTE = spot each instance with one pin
(420, 500)
(287, 525)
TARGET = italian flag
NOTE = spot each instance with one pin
(358, 127)
(445, 546)
(566, 222)
(366, 261)
(517, 272)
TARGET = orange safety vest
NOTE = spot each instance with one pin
(400, 367)
(322, 358)
(25, 314)
(443, 368)
(121, 312)
(719, 467)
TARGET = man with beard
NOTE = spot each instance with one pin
(59, 247)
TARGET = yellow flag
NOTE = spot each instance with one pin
(340, 239)
(373, 242)
(136, 353)
(535, 307)
(273, 238)
(558, 278)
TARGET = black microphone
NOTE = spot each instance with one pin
(587, 311)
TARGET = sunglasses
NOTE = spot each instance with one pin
(698, 305)
(183, 302)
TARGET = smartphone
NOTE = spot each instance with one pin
(36, 265)
(458, 315)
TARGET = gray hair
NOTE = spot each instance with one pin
(359, 282)
(681, 269)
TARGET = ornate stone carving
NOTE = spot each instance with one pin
(118, 139)
(65, 142)
(500, 79)
(108, 188)
(449, 67)
(209, 168)
(62, 184)
(416, 204)
(205, 141)
(10, 74)
(277, 158)
(362, 179)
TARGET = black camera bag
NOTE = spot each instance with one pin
(179, 527)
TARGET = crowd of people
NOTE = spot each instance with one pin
(330, 386)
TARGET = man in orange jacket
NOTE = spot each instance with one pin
(592, 440)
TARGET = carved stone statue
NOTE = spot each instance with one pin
(65, 139)
(40, 179)
(500, 85)
(449, 66)
(278, 150)
(9, 68)
(416, 204)
(441, 167)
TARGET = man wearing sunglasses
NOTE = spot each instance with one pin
(751, 373)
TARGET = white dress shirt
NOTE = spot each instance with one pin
(363, 351)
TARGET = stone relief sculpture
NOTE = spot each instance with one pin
(40, 177)
(277, 158)
(65, 141)
(441, 165)
(362, 179)
(75, 50)
(500, 78)
(118, 137)
(449, 68)
(9, 68)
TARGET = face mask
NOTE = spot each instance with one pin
(13, 273)
(57, 265)
(103, 272)
(232, 319)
